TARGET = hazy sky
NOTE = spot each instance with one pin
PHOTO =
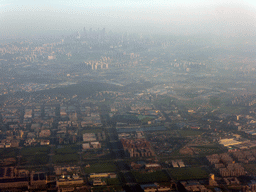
(31, 17)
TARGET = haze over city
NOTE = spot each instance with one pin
(127, 96)
(229, 18)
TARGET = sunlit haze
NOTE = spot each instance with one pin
(186, 17)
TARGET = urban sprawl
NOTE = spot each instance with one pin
(105, 111)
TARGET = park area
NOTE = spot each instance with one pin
(100, 167)
(188, 173)
(66, 154)
(156, 176)
(37, 155)
(189, 133)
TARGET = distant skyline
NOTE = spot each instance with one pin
(185, 17)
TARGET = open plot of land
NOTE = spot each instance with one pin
(8, 152)
(91, 130)
(127, 177)
(208, 149)
(231, 109)
(144, 116)
(101, 167)
(65, 149)
(126, 118)
(96, 153)
(191, 161)
(66, 154)
(188, 173)
(189, 132)
(110, 188)
(157, 176)
(27, 151)
(66, 158)
(35, 159)
(192, 103)
(250, 167)
(145, 119)
(113, 181)
(176, 154)
(35, 155)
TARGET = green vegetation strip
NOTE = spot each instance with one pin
(157, 176)
(186, 133)
(209, 149)
(101, 168)
(112, 181)
(91, 130)
(65, 149)
(250, 167)
(8, 152)
(188, 173)
(65, 158)
(39, 159)
(231, 109)
(213, 146)
(28, 151)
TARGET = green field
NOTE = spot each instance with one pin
(208, 149)
(96, 153)
(34, 155)
(8, 152)
(157, 176)
(113, 181)
(189, 132)
(146, 118)
(250, 167)
(231, 109)
(66, 154)
(28, 151)
(38, 159)
(191, 161)
(188, 173)
(91, 130)
(109, 188)
(65, 158)
(66, 149)
(192, 103)
(101, 168)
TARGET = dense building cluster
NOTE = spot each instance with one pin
(11, 177)
(137, 147)
(226, 165)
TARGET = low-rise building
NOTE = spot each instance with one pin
(69, 180)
